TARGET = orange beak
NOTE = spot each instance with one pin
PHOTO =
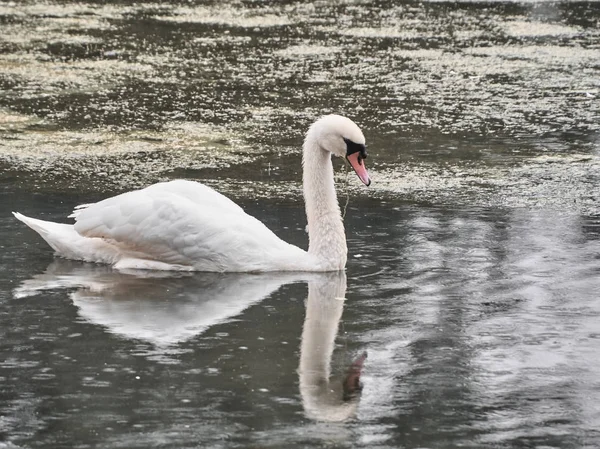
(358, 164)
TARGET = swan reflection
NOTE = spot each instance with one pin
(162, 308)
(166, 308)
(325, 398)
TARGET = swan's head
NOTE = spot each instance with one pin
(342, 137)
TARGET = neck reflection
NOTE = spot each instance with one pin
(326, 398)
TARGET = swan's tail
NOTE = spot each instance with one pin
(68, 243)
(56, 234)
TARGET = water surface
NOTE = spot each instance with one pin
(473, 278)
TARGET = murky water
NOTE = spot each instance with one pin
(473, 283)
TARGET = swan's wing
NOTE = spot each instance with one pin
(183, 223)
(196, 192)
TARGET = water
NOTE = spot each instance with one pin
(473, 279)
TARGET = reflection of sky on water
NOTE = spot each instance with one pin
(487, 328)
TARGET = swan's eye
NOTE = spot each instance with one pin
(352, 147)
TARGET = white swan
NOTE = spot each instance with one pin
(185, 225)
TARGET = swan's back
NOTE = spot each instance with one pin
(185, 224)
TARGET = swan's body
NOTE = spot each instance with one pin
(177, 225)
(185, 225)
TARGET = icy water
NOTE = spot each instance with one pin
(473, 282)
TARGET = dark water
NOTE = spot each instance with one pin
(473, 281)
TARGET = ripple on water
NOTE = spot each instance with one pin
(421, 70)
(566, 182)
(233, 17)
(114, 159)
(479, 302)
(521, 28)
(41, 76)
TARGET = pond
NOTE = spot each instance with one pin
(468, 314)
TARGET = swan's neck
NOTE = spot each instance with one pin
(327, 240)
